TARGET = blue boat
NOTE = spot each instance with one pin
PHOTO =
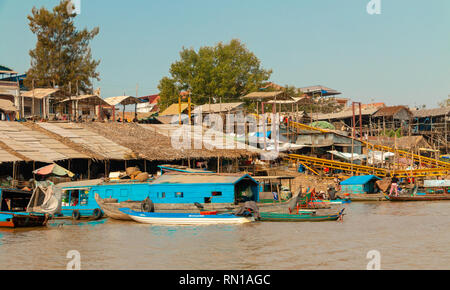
(169, 192)
(77, 201)
(13, 210)
(179, 168)
(185, 218)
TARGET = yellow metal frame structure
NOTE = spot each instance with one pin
(419, 158)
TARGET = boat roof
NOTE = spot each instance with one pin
(362, 179)
(195, 178)
(183, 169)
(80, 183)
(273, 177)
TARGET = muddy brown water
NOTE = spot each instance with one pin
(412, 235)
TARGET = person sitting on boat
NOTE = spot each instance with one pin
(394, 186)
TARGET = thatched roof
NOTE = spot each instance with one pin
(150, 144)
(405, 143)
(431, 112)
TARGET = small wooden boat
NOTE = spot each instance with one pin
(336, 201)
(184, 218)
(300, 217)
(364, 196)
(111, 207)
(22, 219)
(425, 197)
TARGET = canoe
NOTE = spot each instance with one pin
(302, 217)
(184, 218)
(111, 209)
(22, 219)
(427, 197)
(336, 201)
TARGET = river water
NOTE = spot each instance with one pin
(407, 235)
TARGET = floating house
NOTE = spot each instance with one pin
(204, 188)
(359, 184)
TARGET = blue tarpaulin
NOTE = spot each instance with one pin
(356, 180)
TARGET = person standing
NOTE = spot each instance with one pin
(394, 186)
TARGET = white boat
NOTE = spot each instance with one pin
(185, 218)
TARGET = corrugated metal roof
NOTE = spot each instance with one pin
(7, 106)
(344, 114)
(39, 93)
(356, 180)
(318, 89)
(123, 100)
(218, 108)
(174, 110)
(390, 111)
(266, 95)
(199, 178)
(35, 145)
(7, 157)
(90, 140)
(91, 99)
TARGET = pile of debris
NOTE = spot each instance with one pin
(133, 173)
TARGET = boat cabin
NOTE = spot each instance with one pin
(13, 200)
(13, 209)
(204, 188)
(77, 196)
(360, 184)
(274, 188)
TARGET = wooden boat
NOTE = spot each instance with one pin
(13, 210)
(336, 201)
(184, 218)
(427, 193)
(425, 197)
(300, 217)
(364, 196)
(111, 207)
(22, 219)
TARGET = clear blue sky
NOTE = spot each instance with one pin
(401, 56)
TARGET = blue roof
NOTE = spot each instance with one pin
(363, 179)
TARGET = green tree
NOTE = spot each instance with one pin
(62, 53)
(223, 72)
